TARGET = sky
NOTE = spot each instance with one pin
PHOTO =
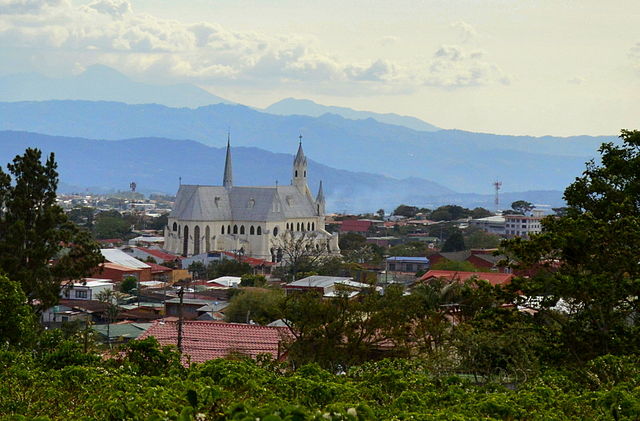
(523, 67)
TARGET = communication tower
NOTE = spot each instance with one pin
(497, 185)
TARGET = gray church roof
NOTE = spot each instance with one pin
(216, 203)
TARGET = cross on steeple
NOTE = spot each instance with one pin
(300, 137)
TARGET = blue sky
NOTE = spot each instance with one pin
(517, 67)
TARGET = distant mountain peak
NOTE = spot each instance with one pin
(295, 106)
(103, 83)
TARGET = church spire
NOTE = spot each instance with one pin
(300, 158)
(227, 180)
(300, 169)
(320, 195)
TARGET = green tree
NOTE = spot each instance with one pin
(455, 242)
(405, 210)
(477, 213)
(351, 241)
(249, 280)
(464, 266)
(17, 320)
(476, 238)
(111, 224)
(128, 284)
(82, 216)
(227, 267)
(589, 257)
(258, 304)
(39, 246)
(522, 207)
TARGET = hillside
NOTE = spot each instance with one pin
(293, 106)
(461, 161)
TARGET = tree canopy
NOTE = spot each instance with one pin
(39, 246)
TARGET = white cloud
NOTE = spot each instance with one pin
(388, 41)
(465, 30)
(634, 53)
(110, 32)
(577, 80)
(453, 66)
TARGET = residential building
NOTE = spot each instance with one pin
(407, 264)
(459, 276)
(491, 224)
(328, 286)
(207, 340)
(523, 225)
(86, 289)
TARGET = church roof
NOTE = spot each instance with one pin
(216, 203)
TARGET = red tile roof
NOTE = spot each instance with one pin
(252, 261)
(166, 257)
(355, 225)
(207, 340)
(155, 268)
(492, 277)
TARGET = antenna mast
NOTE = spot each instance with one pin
(497, 185)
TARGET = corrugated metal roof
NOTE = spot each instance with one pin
(121, 258)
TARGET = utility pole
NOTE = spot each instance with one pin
(180, 319)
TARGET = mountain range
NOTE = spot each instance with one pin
(104, 166)
(292, 106)
(102, 83)
(461, 161)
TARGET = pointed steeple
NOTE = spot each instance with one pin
(227, 180)
(300, 158)
(320, 195)
(320, 203)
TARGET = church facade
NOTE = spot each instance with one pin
(248, 220)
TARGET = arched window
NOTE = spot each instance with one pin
(222, 230)
(302, 226)
(228, 229)
(308, 226)
(185, 242)
(196, 240)
(175, 226)
(252, 230)
(179, 230)
(296, 173)
(207, 239)
(275, 231)
(259, 231)
(235, 229)
(313, 226)
(305, 173)
(298, 226)
(241, 229)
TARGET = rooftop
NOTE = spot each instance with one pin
(123, 259)
(408, 259)
(207, 340)
(459, 276)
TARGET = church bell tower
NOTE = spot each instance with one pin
(300, 169)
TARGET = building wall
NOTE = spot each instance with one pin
(254, 245)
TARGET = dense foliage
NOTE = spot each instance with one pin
(39, 246)
(146, 382)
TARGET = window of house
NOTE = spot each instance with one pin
(252, 230)
(235, 229)
(241, 229)
(259, 231)
(175, 226)
(81, 294)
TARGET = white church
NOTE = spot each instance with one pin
(247, 220)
